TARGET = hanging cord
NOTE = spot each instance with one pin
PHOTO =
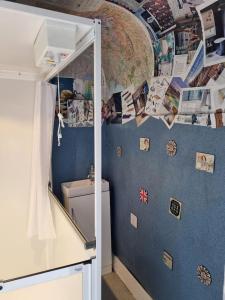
(60, 116)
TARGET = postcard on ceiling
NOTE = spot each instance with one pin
(164, 55)
(140, 99)
(209, 76)
(218, 119)
(80, 113)
(128, 110)
(212, 17)
(188, 37)
(195, 119)
(196, 67)
(183, 10)
(158, 87)
(172, 99)
(195, 100)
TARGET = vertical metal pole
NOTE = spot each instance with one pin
(98, 158)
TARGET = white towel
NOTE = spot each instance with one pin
(40, 220)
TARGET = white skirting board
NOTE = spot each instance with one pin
(128, 279)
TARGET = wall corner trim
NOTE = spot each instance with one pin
(128, 279)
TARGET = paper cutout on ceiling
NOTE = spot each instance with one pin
(188, 40)
(189, 48)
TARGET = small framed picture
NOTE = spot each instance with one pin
(144, 144)
(205, 162)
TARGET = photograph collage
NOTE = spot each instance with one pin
(188, 84)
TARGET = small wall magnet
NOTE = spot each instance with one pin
(119, 151)
(168, 260)
(175, 208)
(205, 162)
(143, 194)
(171, 148)
(144, 144)
(203, 275)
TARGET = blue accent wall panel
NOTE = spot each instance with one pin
(198, 238)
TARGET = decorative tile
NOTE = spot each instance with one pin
(205, 162)
(203, 275)
(171, 148)
(144, 144)
(119, 151)
(175, 208)
(143, 194)
(168, 260)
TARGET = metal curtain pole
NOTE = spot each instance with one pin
(97, 159)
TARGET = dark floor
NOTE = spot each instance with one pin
(114, 289)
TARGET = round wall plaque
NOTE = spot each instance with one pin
(203, 275)
(171, 148)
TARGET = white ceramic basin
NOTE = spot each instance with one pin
(81, 187)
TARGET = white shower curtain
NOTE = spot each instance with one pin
(40, 220)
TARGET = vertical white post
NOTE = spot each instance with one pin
(98, 159)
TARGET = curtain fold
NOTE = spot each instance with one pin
(40, 219)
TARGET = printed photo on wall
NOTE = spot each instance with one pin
(212, 15)
(128, 110)
(164, 55)
(188, 36)
(80, 113)
(158, 87)
(204, 162)
(195, 100)
(139, 100)
(144, 144)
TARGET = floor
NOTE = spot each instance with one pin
(114, 289)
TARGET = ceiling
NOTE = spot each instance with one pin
(18, 32)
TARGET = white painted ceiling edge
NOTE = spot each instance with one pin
(19, 26)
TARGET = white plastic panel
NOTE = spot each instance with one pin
(68, 288)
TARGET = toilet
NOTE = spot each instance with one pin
(79, 202)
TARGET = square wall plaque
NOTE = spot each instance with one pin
(205, 162)
(175, 208)
(144, 144)
(168, 260)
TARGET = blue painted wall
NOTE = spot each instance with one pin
(72, 160)
(198, 238)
